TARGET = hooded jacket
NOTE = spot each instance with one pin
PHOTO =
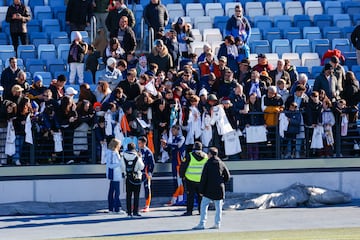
(156, 16)
(129, 158)
(162, 59)
(18, 25)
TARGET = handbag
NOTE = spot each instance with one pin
(111, 173)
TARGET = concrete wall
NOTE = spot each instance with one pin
(93, 189)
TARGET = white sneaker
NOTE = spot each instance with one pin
(70, 162)
(297, 155)
(18, 163)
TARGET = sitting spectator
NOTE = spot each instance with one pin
(130, 86)
(184, 36)
(57, 88)
(229, 50)
(291, 69)
(36, 92)
(263, 64)
(160, 55)
(110, 74)
(114, 50)
(280, 73)
(102, 91)
(303, 80)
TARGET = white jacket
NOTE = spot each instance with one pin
(114, 161)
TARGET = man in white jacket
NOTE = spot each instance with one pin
(133, 167)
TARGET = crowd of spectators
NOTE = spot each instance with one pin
(212, 98)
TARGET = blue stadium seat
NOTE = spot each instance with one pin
(5, 27)
(262, 22)
(292, 33)
(47, 77)
(56, 3)
(63, 51)
(350, 59)
(33, 26)
(346, 31)
(323, 20)
(303, 69)
(302, 21)
(55, 65)
(7, 51)
(320, 46)
(310, 59)
(333, 7)
(42, 12)
(282, 21)
(46, 51)
(60, 14)
(351, 7)
(220, 22)
(38, 38)
(4, 39)
(281, 46)
(301, 46)
(331, 32)
(343, 44)
(35, 65)
(342, 20)
(312, 33)
(272, 33)
(355, 19)
(356, 70)
(260, 46)
(50, 25)
(26, 51)
(88, 77)
(57, 38)
(255, 34)
(33, 3)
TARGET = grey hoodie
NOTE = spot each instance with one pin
(130, 156)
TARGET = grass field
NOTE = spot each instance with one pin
(308, 234)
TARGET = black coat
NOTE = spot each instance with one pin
(213, 178)
(18, 25)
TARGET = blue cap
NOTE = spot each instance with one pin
(37, 78)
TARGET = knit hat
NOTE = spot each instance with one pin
(158, 42)
(180, 20)
(328, 67)
(97, 104)
(204, 92)
(212, 97)
(110, 61)
(37, 78)
(223, 58)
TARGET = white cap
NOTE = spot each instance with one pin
(203, 91)
(70, 91)
(110, 61)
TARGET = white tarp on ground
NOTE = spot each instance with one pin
(292, 196)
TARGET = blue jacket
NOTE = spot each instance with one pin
(148, 159)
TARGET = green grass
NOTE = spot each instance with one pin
(308, 234)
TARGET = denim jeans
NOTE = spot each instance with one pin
(114, 196)
(204, 208)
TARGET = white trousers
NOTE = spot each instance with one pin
(76, 68)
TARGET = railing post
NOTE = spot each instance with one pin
(277, 142)
(93, 28)
(93, 147)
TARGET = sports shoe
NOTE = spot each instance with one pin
(145, 209)
(120, 212)
(18, 163)
(129, 216)
(199, 227)
(216, 226)
(297, 155)
(70, 162)
(187, 214)
(136, 215)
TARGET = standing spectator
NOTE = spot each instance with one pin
(58, 88)
(173, 46)
(78, 14)
(92, 63)
(327, 121)
(8, 77)
(227, 86)
(280, 73)
(244, 72)
(86, 94)
(133, 167)
(114, 16)
(229, 50)
(293, 116)
(339, 71)
(238, 25)
(102, 92)
(130, 86)
(160, 55)
(327, 81)
(184, 36)
(148, 159)
(191, 170)
(212, 187)
(115, 168)
(156, 15)
(243, 49)
(349, 94)
(100, 41)
(291, 69)
(76, 57)
(255, 85)
(17, 15)
(238, 100)
(101, 13)
(355, 40)
(125, 35)
(21, 80)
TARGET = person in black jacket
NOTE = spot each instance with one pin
(17, 15)
(355, 40)
(156, 15)
(212, 187)
(113, 18)
(78, 14)
(126, 35)
(8, 77)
